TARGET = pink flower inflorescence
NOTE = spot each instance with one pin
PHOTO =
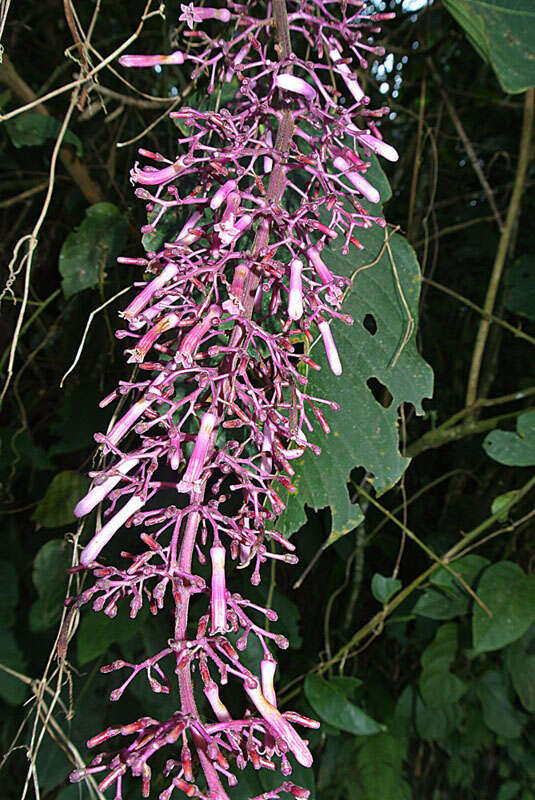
(264, 186)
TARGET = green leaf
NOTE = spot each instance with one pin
(332, 706)
(50, 580)
(436, 604)
(520, 663)
(467, 567)
(380, 768)
(365, 430)
(92, 248)
(97, 632)
(514, 449)
(167, 229)
(383, 588)
(508, 790)
(435, 724)
(519, 295)
(503, 33)
(346, 684)
(9, 594)
(510, 596)
(498, 712)
(33, 128)
(12, 690)
(502, 501)
(437, 685)
(55, 509)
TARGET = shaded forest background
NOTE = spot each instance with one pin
(371, 626)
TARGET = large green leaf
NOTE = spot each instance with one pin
(364, 433)
(34, 128)
(509, 594)
(97, 632)
(380, 768)
(50, 580)
(437, 684)
(498, 712)
(332, 706)
(56, 507)
(92, 248)
(12, 689)
(514, 449)
(520, 663)
(503, 33)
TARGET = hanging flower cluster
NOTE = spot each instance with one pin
(220, 400)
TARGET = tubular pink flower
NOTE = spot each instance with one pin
(360, 183)
(138, 353)
(324, 273)
(97, 494)
(218, 600)
(126, 422)
(268, 667)
(157, 176)
(295, 299)
(268, 161)
(218, 707)
(222, 193)
(198, 456)
(191, 14)
(151, 61)
(347, 76)
(291, 83)
(191, 340)
(330, 348)
(145, 296)
(187, 234)
(281, 726)
(92, 550)
(374, 144)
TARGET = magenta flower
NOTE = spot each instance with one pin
(221, 406)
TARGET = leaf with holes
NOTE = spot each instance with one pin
(503, 33)
(382, 370)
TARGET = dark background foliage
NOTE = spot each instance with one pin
(421, 693)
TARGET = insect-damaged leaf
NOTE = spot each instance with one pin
(382, 369)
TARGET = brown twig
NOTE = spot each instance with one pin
(499, 262)
(467, 144)
(78, 172)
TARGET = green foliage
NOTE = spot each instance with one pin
(62, 494)
(90, 251)
(458, 717)
(498, 711)
(383, 588)
(503, 33)
(33, 128)
(438, 686)
(520, 663)
(364, 433)
(50, 579)
(380, 769)
(519, 296)
(97, 632)
(509, 594)
(514, 449)
(331, 704)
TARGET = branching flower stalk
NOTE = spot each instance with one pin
(263, 187)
